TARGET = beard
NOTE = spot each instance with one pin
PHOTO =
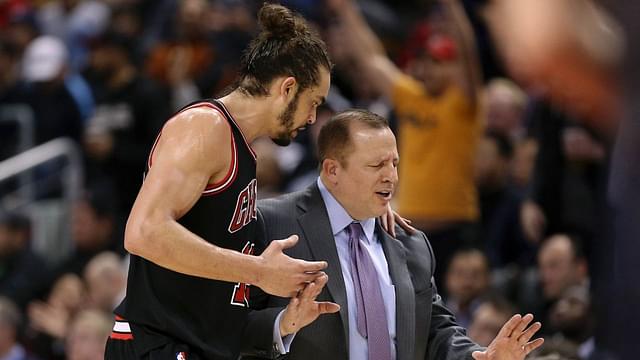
(286, 120)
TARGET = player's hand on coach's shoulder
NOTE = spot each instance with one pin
(285, 276)
(389, 219)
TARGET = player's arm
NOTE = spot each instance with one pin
(469, 75)
(365, 47)
(195, 149)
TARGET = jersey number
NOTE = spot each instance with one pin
(241, 290)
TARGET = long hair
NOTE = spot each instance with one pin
(286, 46)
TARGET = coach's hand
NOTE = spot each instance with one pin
(512, 342)
(282, 275)
(304, 309)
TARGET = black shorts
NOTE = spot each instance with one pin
(120, 346)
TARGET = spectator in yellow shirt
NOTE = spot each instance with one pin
(437, 104)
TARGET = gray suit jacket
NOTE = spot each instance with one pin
(425, 329)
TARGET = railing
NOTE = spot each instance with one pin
(22, 115)
(53, 245)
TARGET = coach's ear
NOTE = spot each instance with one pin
(331, 169)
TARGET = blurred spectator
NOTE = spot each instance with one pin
(12, 8)
(56, 108)
(231, 25)
(185, 62)
(21, 27)
(130, 110)
(467, 280)
(44, 68)
(10, 325)
(87, 335)
(21, 34)
(524, 158)
(92, 232)
(568, 190)
(573, 317)
(76, 22)
(489, 318)
(49, 321)
(9, 94)
(505, 103)
(106, 279)
(21, 269)
(545, 191)
(568, 183)
(126, 21)
(9, 62)
(500, 203)
(562, 264)
(437, 106)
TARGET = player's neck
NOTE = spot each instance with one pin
(251, 113)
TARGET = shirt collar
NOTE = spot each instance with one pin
(338, 216)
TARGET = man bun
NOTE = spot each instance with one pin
(279, 22)
(285, 46)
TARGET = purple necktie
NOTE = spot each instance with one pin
(371, 315)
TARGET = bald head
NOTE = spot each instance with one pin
(561, 264)
(87, 335)
(106, 279)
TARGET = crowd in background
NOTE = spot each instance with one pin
(108, 73)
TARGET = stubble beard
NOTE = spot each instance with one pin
(286, 120)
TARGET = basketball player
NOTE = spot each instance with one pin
(190, 232)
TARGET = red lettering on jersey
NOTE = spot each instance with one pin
(240, 295)
(245, 210)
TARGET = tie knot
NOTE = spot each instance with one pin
(355, 230)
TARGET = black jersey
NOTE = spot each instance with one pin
(208, 315)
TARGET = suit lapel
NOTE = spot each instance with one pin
(317, 231)
(405, 297)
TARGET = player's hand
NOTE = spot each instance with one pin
(512, 342)
(284, 276)
(389, 219)
(303, 309)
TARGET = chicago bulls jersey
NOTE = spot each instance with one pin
(165, 306)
